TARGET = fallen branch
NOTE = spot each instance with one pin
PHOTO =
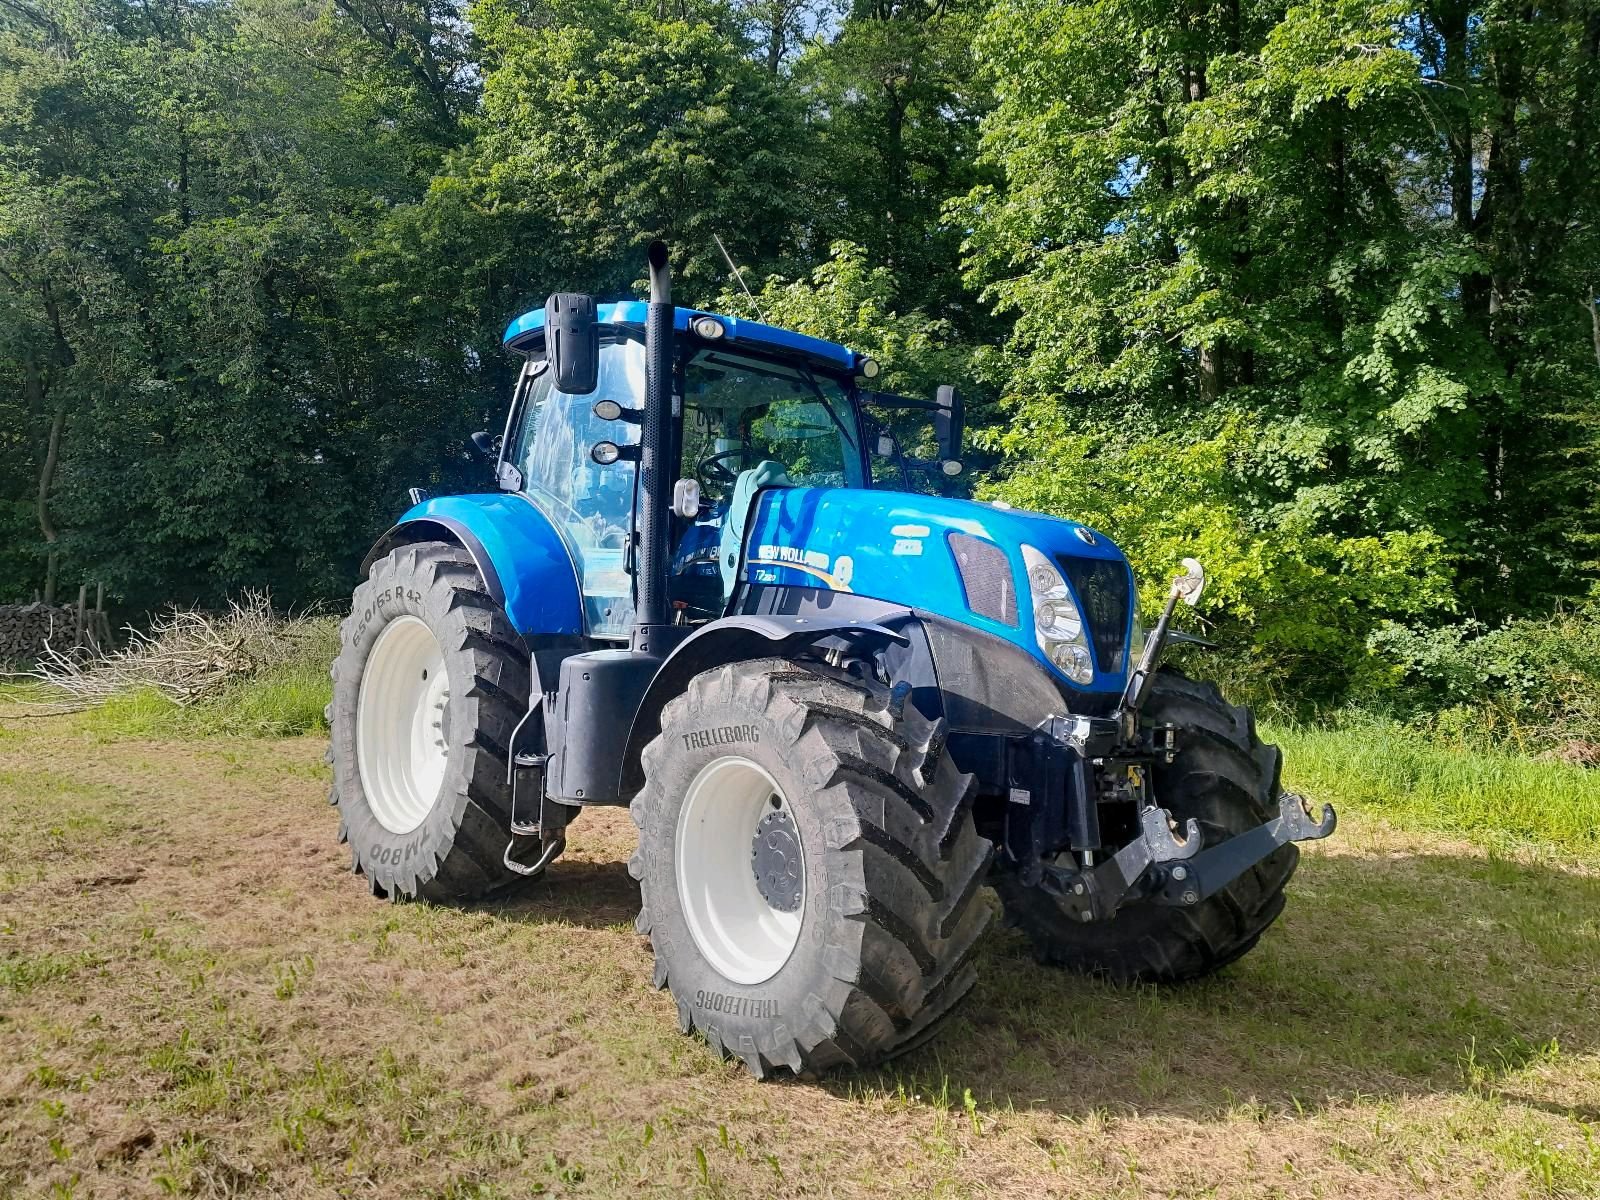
(186, 655)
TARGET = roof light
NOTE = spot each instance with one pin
(869, 368)
(605, 453)
(708, 327)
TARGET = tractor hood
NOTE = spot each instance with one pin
(958, 559)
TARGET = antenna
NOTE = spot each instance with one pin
(739, 275)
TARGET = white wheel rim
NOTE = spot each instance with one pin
(401, 742)
(739, 932)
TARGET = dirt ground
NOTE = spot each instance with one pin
(198, 998)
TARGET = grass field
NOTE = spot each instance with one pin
(198, 998)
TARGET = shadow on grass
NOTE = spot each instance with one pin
(1386, 975)
(595, 895)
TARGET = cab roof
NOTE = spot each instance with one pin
(526, 333)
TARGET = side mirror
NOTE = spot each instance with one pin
(572, 342)
(486, 446)
(947, 423)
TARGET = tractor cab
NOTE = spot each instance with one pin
(762, 407)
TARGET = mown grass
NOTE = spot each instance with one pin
(1492, 797)
(198, 998)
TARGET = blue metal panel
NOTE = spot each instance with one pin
(532, 570)
(527, 332)
(893, 546)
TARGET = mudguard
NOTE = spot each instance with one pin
(740, 638)
(524, 562)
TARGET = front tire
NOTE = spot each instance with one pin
(429, 684)
(809, 868)
(1228, 780)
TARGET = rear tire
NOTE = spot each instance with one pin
(1225, 778)
(430, 818)
(875, 876)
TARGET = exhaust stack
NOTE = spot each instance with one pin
(652, 614)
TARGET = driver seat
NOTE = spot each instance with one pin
(764, 474)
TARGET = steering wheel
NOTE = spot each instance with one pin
(715, 471)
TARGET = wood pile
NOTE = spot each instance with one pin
(29, 631)
(24, 629)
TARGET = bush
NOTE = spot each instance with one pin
(1534, 681)
(1292, 602)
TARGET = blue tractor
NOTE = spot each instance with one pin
(716, 585)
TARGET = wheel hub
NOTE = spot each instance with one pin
(775, 858)
(740, 869)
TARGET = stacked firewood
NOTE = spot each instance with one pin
(26, 629)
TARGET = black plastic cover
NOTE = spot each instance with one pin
(572, 341)
(589, 723)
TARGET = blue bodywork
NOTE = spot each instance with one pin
(883, 545)
(527, 332)
(523, 559)
(893, 546)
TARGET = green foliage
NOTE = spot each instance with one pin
(1533, 682)
(610, 126)
(1297, 601)
(849, 300)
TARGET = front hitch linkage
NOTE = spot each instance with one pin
(1176, 871)
(1159, 864)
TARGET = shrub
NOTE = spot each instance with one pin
(1533, 680)
(1292, 602)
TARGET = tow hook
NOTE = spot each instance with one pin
(1208, 873)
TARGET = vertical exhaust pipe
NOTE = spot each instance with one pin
(652, 614)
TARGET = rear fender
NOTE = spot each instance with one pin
(524, 562)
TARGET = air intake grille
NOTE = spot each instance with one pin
(986, 578)
(1102, 588)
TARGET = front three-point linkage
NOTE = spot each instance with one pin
(1158, 864)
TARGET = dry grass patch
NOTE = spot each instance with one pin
(198, 998)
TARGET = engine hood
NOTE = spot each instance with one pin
(959, 559)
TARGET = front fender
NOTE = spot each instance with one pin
(747, 636)
(522, 558)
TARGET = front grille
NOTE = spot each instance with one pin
(986, 578)
(1103, 591)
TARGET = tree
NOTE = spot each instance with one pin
(1236, 216)
(603, 133)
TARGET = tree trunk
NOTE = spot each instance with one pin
(1206, 362)
(47, 477)
(1593, 310)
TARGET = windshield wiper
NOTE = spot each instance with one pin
(816, 390)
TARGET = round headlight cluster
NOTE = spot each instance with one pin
(1057, 623)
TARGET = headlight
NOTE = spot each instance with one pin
(1057, 623)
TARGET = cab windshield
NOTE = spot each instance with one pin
(741, 411)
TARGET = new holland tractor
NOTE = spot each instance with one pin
(716, 585)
